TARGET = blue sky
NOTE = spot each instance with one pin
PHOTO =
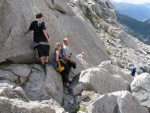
(133, 1)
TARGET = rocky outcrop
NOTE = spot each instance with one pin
(102, 81)
(37, 84)
(61, 21)
(17, 106)
(106, 78)
(12, 91)
(14, 99)
(28, 88)
(6, 75)
(115, 70)
(141, 90)
(102, 8)
(117, 102)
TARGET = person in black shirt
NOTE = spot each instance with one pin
(40, 38)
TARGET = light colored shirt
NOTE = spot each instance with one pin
(66, 50)
(79, 56)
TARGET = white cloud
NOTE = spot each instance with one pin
(133, 1)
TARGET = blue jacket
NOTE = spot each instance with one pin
(132, 68)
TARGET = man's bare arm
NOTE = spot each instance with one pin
(66, 57)
(45, 34)
(26, 32)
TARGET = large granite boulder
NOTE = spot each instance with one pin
(41, 85)
(6, 75)
(61, 22)
(17, 106)
(101, 81)
(37, 83)
(117, 102)
(41, 93)
(106, 78)
(12, 91)
(141, 89)
(22, 71)
(115, 70)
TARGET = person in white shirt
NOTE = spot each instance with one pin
(80, 55)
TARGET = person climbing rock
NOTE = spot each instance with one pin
(58, 60)
(133, 70)
(67, 55)
(40, 38)
(80, 55)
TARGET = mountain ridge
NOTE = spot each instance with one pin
(136, 28)
(140, 12)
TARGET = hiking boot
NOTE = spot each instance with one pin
(46, 64)
(43, 66)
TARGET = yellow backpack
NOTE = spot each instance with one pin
(60, 67)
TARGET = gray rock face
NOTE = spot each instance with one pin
(141, 90)
(53, 84)
(117, 102)
(6, 75)
(34, 86)
(43, 85)
(100, 7)
(16, 106)
(102, 81)
(115, 70)
(21, 70)
(106, 78)
(12, 91)
(37, 84)
(128, 40)
(73, 19)
(38, 87)
(61, 5)
(59, 26)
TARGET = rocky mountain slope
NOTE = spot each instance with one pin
(92, 28)
(136, 28)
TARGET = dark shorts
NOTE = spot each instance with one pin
(43, 50)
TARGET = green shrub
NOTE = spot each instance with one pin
(108, 51)
(82, 108)
(88, 15)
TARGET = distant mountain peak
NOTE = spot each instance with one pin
(131, 2)
(140, 12)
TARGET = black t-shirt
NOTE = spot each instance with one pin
(37, 27)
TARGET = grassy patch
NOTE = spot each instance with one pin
(88, 15)
(111, 33)
(108, 51)
(75, 110)
(18, 82)
(82, 108)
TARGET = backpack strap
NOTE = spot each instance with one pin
(61, 51)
